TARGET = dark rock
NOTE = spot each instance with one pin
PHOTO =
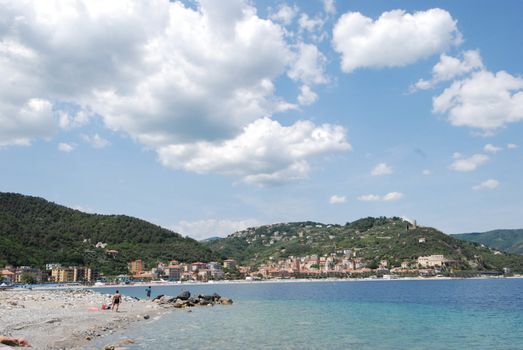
(146, 317)
(206, 297)
(216, 297)
(184, 295)
(158, 297)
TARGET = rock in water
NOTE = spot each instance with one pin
(225, 301)
(158, 297)
(184, 295)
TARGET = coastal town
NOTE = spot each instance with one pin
(342, 264)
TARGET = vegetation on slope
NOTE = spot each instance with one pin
(34, 232)
(373, 239)
(510, 241)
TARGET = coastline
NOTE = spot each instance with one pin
(295, 280)
(290, 280)
(67, 319)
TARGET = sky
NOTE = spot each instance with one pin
(207, 117)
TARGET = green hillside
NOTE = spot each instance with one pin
(372, 238)
(510, 241)
(34, 231)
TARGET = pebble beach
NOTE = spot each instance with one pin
(68, 319)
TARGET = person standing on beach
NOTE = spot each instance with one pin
(148, 292)
(117, 299)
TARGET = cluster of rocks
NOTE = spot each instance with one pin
(184, 300)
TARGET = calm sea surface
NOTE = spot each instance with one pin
(447, 314)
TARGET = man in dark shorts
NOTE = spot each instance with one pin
(117, 299)
(148, 292)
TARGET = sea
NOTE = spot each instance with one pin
(374, 314)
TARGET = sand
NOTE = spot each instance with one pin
(67, 319)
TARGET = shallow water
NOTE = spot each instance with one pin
(447, 314)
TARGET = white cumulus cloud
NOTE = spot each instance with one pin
(307, 96)
(329, 6)
(309, 66)
(96, 141)
(337, 199)
(21, 124)
(285, 14)
(483, 100)
(381, 169)
(490, 148)
(426, 172)
(393, 196)
(180, 79)
(264, 153)
(389, 197)
(512, 146)
(487, 185)
(395, 39)
(450, 67)
(66, 147)
(471, 163)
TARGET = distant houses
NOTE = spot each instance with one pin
(176, 271)
(53, 273)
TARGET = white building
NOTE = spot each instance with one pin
(432, 260)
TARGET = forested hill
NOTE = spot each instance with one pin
(34, 231)
(372, 238)
(507, 240)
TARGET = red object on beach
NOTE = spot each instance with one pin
(104, 307)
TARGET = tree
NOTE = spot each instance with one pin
(28, 278)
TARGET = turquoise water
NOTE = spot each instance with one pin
(457, 314)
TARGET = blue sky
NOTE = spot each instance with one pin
(207, 117)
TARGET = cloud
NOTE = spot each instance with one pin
(426, 172)
(309, 67)
(484, 100)
(450, 67)
(369, 198)
(264, 153)
(309, 24)
(70, 121)
(487, 185)
(19, 125)
(337, 199)
(202, 229)
(175, 78)
(391, 196)
(66, 147)
(285, 14)
(96, 141)
(395, 39)
(307, 96)
(468, 164)
(329, 6)
(381, 169)
(512, 146)
(491, 148)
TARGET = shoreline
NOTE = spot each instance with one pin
(68, 319)
(290, 280)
